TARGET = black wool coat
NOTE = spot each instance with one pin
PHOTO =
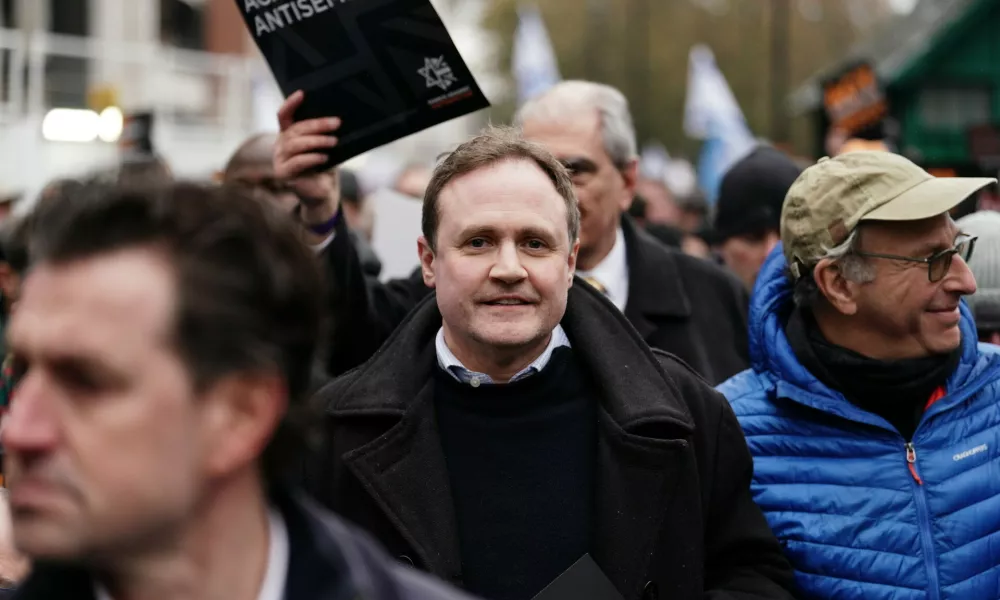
(673, 513)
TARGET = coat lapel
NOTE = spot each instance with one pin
(406, 474)
(655, 287)
(641, 447)
(636, 480)
(404, 469)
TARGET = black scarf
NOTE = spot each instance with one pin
(896, 390)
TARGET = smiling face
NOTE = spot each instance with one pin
(503, 263)
(901, 313)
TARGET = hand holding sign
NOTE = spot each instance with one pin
(298, 153)
(386, 68)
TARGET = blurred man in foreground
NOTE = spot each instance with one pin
(515, 422)
(871, 409)
(164, 340)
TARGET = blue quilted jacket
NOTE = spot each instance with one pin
(835, 483)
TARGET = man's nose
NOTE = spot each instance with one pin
(30, 425)
(960, 279)
(508, 267)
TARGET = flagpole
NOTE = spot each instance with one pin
(780, 69)
(641, 77)
(596, 30)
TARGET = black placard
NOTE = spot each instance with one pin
(387, 68)
(583, 581)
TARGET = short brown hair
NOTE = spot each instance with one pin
(492, 146)
(249, 292)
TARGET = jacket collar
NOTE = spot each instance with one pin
(324, 562)
(628, 374)
(643, 426)
(771, 353)
(655, 286)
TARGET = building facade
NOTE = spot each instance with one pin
(190, 63)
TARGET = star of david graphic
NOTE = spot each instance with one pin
(437, 73)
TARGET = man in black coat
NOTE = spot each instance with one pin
(684, 305)
(515, 422)
(164, 340)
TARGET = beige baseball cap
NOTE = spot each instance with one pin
(829, 199)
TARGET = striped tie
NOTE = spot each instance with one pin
(597, 285)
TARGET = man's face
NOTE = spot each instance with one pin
(101, 444)
(603, 190)
(504, 263)
(745, 255)
(904, 311)
(260, 180)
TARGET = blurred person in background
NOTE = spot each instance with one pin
(165, 338)
(748, 210)
(8, 200)
(252, 167)
(985, 265)
(871, 408)
(515, 423)
(661, 207)
(357, 209)
(694, 211)
(680, 304)
(413, 180)
(637, 210)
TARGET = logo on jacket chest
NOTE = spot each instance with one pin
(970, 452)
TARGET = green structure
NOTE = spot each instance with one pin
(929, 85)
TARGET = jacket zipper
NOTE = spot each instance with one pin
(924, 522)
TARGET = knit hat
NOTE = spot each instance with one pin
(752, 192)
(985, 265)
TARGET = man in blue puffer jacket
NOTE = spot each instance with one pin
(872, 412)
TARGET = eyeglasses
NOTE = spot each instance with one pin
(939, 264)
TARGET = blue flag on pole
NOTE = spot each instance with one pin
(533, 62)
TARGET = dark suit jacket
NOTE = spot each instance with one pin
(673, 516)
(681, 304)
(328, 560)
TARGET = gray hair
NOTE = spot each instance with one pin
(617, 129)
(853, 267)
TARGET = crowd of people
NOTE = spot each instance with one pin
(210, 393)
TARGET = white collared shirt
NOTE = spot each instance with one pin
(278, 553)
(612, 272)
(454, 367)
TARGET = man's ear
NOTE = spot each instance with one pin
(630, 175)
(573, 252)
(426, 254)
(241, 414)
(840, 292)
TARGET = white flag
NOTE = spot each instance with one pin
(711, 113)
(533, 62)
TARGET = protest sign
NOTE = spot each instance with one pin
(387, 68)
